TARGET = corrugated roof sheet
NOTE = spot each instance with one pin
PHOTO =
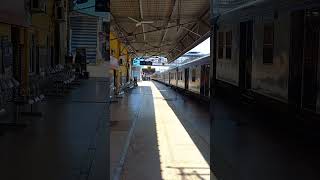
(165, 36)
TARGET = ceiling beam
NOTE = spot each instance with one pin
(191, 31)
(205, 23)
(200, 17)
(173, 4)
(193, 39)
(123, 36)
(156, 30)
(187, 34)
(141, 17)
(125, 19)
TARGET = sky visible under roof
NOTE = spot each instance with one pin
(203, 48)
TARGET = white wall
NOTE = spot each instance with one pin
(272, 79)
(267, 79)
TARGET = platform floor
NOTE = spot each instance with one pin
(68, 143)
(168, 135)
(255, 143)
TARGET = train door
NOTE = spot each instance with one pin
(295, 62)
(245, 58)
(186, 78)
(304, 60)
(204, 80)
(16, 52)
(176, 79)
(311, 59)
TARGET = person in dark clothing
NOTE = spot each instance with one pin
(135, 81)
(78, 61)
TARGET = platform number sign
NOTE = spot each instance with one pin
(146, 63)
(102, 6)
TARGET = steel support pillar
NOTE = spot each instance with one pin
(213, 65)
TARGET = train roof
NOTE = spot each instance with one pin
(198, 61)
(202, 60)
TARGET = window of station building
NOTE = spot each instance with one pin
(268, 39)
(220, 44)
(180, 75)
(228, 45)
(193, 74)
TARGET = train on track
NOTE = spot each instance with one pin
(192, 77)
(269, 53)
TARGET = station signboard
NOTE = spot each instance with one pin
(146, 63)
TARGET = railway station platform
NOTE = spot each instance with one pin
(253, 142)
(159, 134)
(68, 143)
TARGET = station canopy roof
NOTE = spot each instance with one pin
(166, 28)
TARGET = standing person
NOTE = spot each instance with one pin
(135, 81)
(78, 61)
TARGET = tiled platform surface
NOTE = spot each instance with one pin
(255, 143)
(170, 138)
(68, 143)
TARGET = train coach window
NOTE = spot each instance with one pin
(220, 45)
(193, 73)
(268, 44)
(228, 44)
